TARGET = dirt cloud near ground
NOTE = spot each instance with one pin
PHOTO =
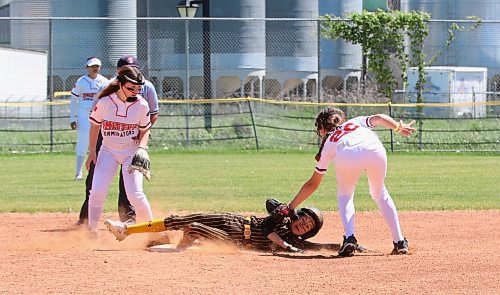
(454, 252)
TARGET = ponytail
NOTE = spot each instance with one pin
(111, 88)
(328, 119)
(318, 155)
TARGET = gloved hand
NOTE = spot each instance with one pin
(272, 204)
(141, 163)
(286, 211)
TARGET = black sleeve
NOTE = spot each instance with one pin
(296, 241)
(272, 222)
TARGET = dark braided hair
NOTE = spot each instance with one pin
(327, 119)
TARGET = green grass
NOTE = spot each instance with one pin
(241, 181)
(282, 127)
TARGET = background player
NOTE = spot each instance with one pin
(82, 96)
(258, 233)
(122, 116)
(125, 209)
(355, 148)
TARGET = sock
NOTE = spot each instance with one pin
(94, 216)
(157, 225)
(79, 164)
(346, 210)
(390, 214)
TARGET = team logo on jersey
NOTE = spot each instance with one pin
(347, 128)
(88, 96)
(110, 128)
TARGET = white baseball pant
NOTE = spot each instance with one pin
(105, 170)
(350, 162)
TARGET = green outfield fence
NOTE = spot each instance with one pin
(253, 123)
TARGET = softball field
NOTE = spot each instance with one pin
(452, 252)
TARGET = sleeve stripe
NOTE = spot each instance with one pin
(320, 171)
(145, 127)
(368, 122)
(154, 112)
(95, 121)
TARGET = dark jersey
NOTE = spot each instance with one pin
(231, 227)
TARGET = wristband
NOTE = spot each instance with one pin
(398, 128)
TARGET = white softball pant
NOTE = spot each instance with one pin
(350, 162)
(82, 135)
(105, 170)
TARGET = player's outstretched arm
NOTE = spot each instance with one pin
(306, 190)
(389, 123)
(279, 241)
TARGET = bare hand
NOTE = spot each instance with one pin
(406, 129)
(73, 125)
(91, 159)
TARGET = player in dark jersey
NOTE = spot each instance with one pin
(289, 230)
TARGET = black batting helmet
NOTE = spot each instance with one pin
(317, 216)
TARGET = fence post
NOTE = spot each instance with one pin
(420, 131)
(186, 85)
(51, 87)
(319, 88)
(253, 125)
(392, 133)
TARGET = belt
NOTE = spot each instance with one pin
(247, 232)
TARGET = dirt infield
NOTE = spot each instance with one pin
(451, 253)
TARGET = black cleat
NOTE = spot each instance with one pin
(400, 248)
(348, 246)
(81, 222)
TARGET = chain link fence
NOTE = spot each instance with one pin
(232, 57)
(250, 123)
(278, 60)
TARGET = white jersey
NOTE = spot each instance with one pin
(82, 95)
(120, 122)
(354, 132)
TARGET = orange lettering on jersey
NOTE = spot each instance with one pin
(347, 128)
(108, 125)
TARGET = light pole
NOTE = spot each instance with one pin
(188, 8)
(187, 11)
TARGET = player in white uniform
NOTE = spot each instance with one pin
(125, 209)
(355, 148)
(82, 96)
(123, 118)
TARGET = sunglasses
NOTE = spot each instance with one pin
(133, 90)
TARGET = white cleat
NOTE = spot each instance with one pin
(78, 177)
(118, 228)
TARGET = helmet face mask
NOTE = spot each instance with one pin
(315, 215)
(303, 225)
